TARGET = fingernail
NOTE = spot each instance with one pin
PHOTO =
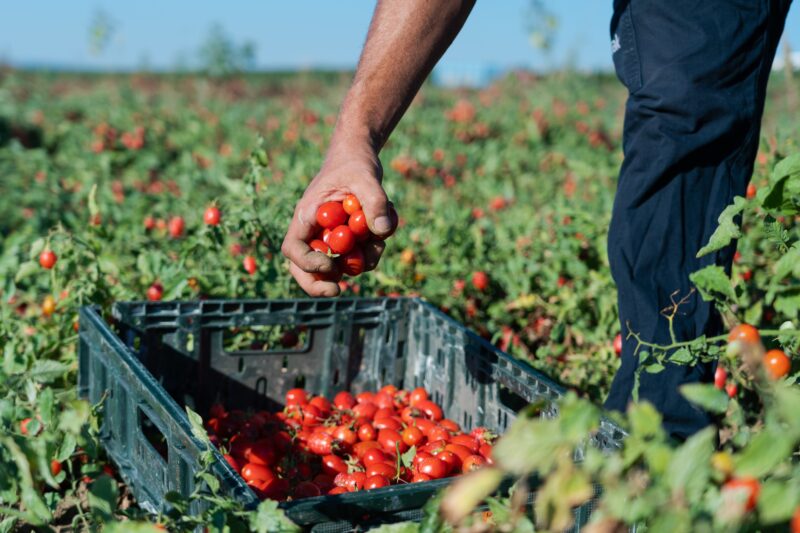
(382, 224)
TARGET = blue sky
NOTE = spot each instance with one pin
(292, 33)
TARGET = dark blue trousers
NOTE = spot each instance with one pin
(696, 72)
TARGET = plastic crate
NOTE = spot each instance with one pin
(172, 354)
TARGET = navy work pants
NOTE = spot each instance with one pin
(696, 72)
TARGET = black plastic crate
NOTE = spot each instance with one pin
(168, 355)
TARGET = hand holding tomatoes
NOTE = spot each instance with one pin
(348, 188)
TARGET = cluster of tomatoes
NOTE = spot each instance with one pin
(365, 441)
(344, 231)
(776, 363)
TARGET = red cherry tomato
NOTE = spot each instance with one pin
(55, 467)
(720, 377)
(373, 456)
(351, 204)
(212, 216)
(320, 443)
(618, 344)
(387, 423)
(254, 472)
(744, 333)
(419, 478)
(418, 458)
(360, 448)
(413, 436)
(467, 441)
(345, 435)
(461, 451)
(452, 461)
(320, 246)
(296, 397)
(391, 441)
(433, 467)
(450, 425)
(749, 487)
(175, 227)
(47, 259)
(358, 224)
(417, 395)
(332, 465)
(352, 263)
(382, 469)
(155, 292)
(424, 425)
(777, 364)
(431, 410)
(480, 280)
(262, 453)
(337, 490)
(365, 410)
(367, 432)
(321, 403)
(473, 462)
(344, 400)
(311, 415)
(231, 461)
(331, 214)
(341, 240)
(376, 482)
(365, 397)
(249, 264)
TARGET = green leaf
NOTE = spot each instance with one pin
(784, 186)
(727, 229)
(128, 526)
(37, 511)
(93, 209)
(645, 420)
(196, 422)
(269, 518)
(46, 406)
(47, 370)
(402, 527)
(682, 356)
(777, 501)
(26, 269)
(103, 497)
(706, 396)
(431, 518)
(767, 450)
(408, 457)
(211, 481)
(690, 467)
(653, 368)
(713, 283)
(36, 249)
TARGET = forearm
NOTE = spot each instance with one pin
(405, 40)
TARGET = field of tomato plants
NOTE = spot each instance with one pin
(162, 187)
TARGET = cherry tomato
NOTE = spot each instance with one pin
(384, 400)
(417, 395)
(433, 467)
(47, 259)
(452, 461)
(331, 214)
(777, 364)
(749, 488)
(720, 377)
(744, 333)
(321, 403)
(438, 433)
(461, 451)
(486, 452)
(483, 435)
(365, 410)
(212, 216)
(795, 525)
(155, 292)
(360, 448)
(337, 490)
(332, 465)
(473, 462)
(431, 410)
(261, 453)
(450, 425)
(418, 458)
(175, 227)
(376, 482)
(341, 240)
(344, 400)
(367, 432)
(391, 441)
(320, 443)
(324, 235)
(320, 246)
(48, 305)
(382, 469)
(387, 423)
(352, 263)
(249, 264)
(419, 478)
(365, 397)
(358, 224)
(231, 461)
(373, 456)
(55, 467)
(618, 344)
(296, 397)
(480, 280)
(385, 412)
(424, 425)
(351, 204)
(467, 441)
(413, 436)
(254, 472)
(345, 435)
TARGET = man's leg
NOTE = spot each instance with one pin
(697, 75)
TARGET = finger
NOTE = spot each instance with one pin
(375, 205)
(312, 286)
(372, 254)
(295, 247)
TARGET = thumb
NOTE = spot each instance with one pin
(376, 207)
